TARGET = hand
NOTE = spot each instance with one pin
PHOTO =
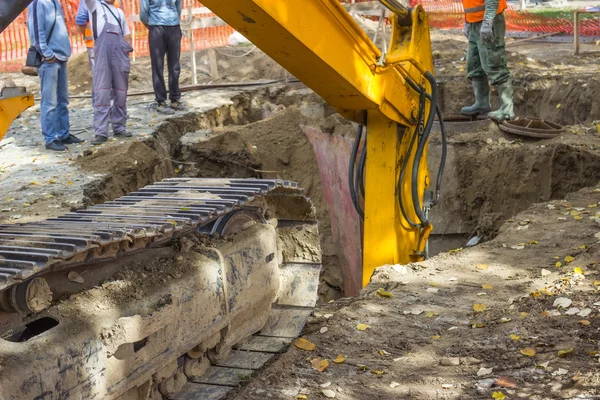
(467, 29)
(487, 31)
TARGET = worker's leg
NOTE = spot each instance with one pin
(476, 75)
(120, 84)
(48, 73)
(157, 41)
(102, 81)
(493, 59)
(62, 105)
(173, 55)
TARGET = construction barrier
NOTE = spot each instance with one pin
(444, 14)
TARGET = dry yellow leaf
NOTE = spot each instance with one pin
(584, 322)
(514, 337)
(582, 247)
(301, 397)
(533, 242)
(69, 183)
(593, 353)
(482, 266)
(436, 337)
(51, 181)
(523, 314)
(577, 270)
(479, 307)
(304, 344)
(382, 293)
(498, 396)
(339, 359)
(535, 295)
(578, 218)
(377, 372)
(487, 287)
(592, 205)
(564, 353)
(477, 326)
(433, 284)
(575, 213)
(569, 259)
(558, 264)
(362, 327)
(596, 283)
(430, 314)
(455, 250)
(528, 351)
(319, 365)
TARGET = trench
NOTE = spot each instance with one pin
(279, 132)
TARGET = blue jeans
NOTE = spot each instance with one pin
(54, 114)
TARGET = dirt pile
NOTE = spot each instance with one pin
(465, 325)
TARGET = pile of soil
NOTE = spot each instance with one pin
(465, 325)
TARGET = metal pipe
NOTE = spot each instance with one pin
(9, 10)
(397, 8)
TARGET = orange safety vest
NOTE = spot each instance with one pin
(475, 9)
(89, 35)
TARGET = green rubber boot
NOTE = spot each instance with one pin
(481, 87)
(507, 107)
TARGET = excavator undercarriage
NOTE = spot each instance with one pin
(136, 298)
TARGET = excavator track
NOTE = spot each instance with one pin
(244, 301)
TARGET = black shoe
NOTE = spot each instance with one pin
(56, 146)
(178, 106)
(162, 108)
(99, 140)
(123, 134)
(72, 140)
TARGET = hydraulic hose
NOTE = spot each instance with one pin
(351, 171)
(361, 168)
(440, 174)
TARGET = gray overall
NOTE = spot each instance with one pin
(110, 77)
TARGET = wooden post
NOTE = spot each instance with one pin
(193, 48)
(133, 29)
(212, 63)
(576, 31)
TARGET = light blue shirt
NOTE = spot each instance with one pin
(59, 45)
(160, 12)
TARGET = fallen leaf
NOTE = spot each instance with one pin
(596, 283)
(51, 181)
(514, 337)
(533, 242)
(339, 359)
(479, 307)
(560, 371)
(585, 312)
(328, 393)
(528, 351)
(69, 183)
(434, 284)
(301, 397)
(562, 302)
(582, 247)
(436, 337)
(583, 322)
(535, 295)
(523, 314)
(498, 396)
(569, 259)
(482, 266)
(572, 311)
(577, 271)
(543, 365)
(394, 385)
(304, 344)
(319, 365)
(487, 287)
(545, 272)
(362, 327)
(377, 372)
(484, 371)
(558, 264)
(455, 250)
(507, 382)
(564, 353)
(430, 314)
(382, 293)
(505, 320)
(323, 329)
(325, 385)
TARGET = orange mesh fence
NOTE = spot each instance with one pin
(444, 14)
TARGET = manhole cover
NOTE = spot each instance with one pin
(532, 127)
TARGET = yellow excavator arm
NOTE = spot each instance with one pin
(393, 94)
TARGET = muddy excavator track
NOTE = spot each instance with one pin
(194, 337)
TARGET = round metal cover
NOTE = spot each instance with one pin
(532, 127)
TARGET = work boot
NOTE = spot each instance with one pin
(56, 146)
(99, 139)
(162, 108)
(71, 139)
(507, 107)
(125, 133)
(481, 87)
(178, 106)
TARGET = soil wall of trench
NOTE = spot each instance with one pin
(292, 134)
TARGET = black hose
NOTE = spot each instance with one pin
(421, 147)
(361, 168)
(440, 174)
(351, 171)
